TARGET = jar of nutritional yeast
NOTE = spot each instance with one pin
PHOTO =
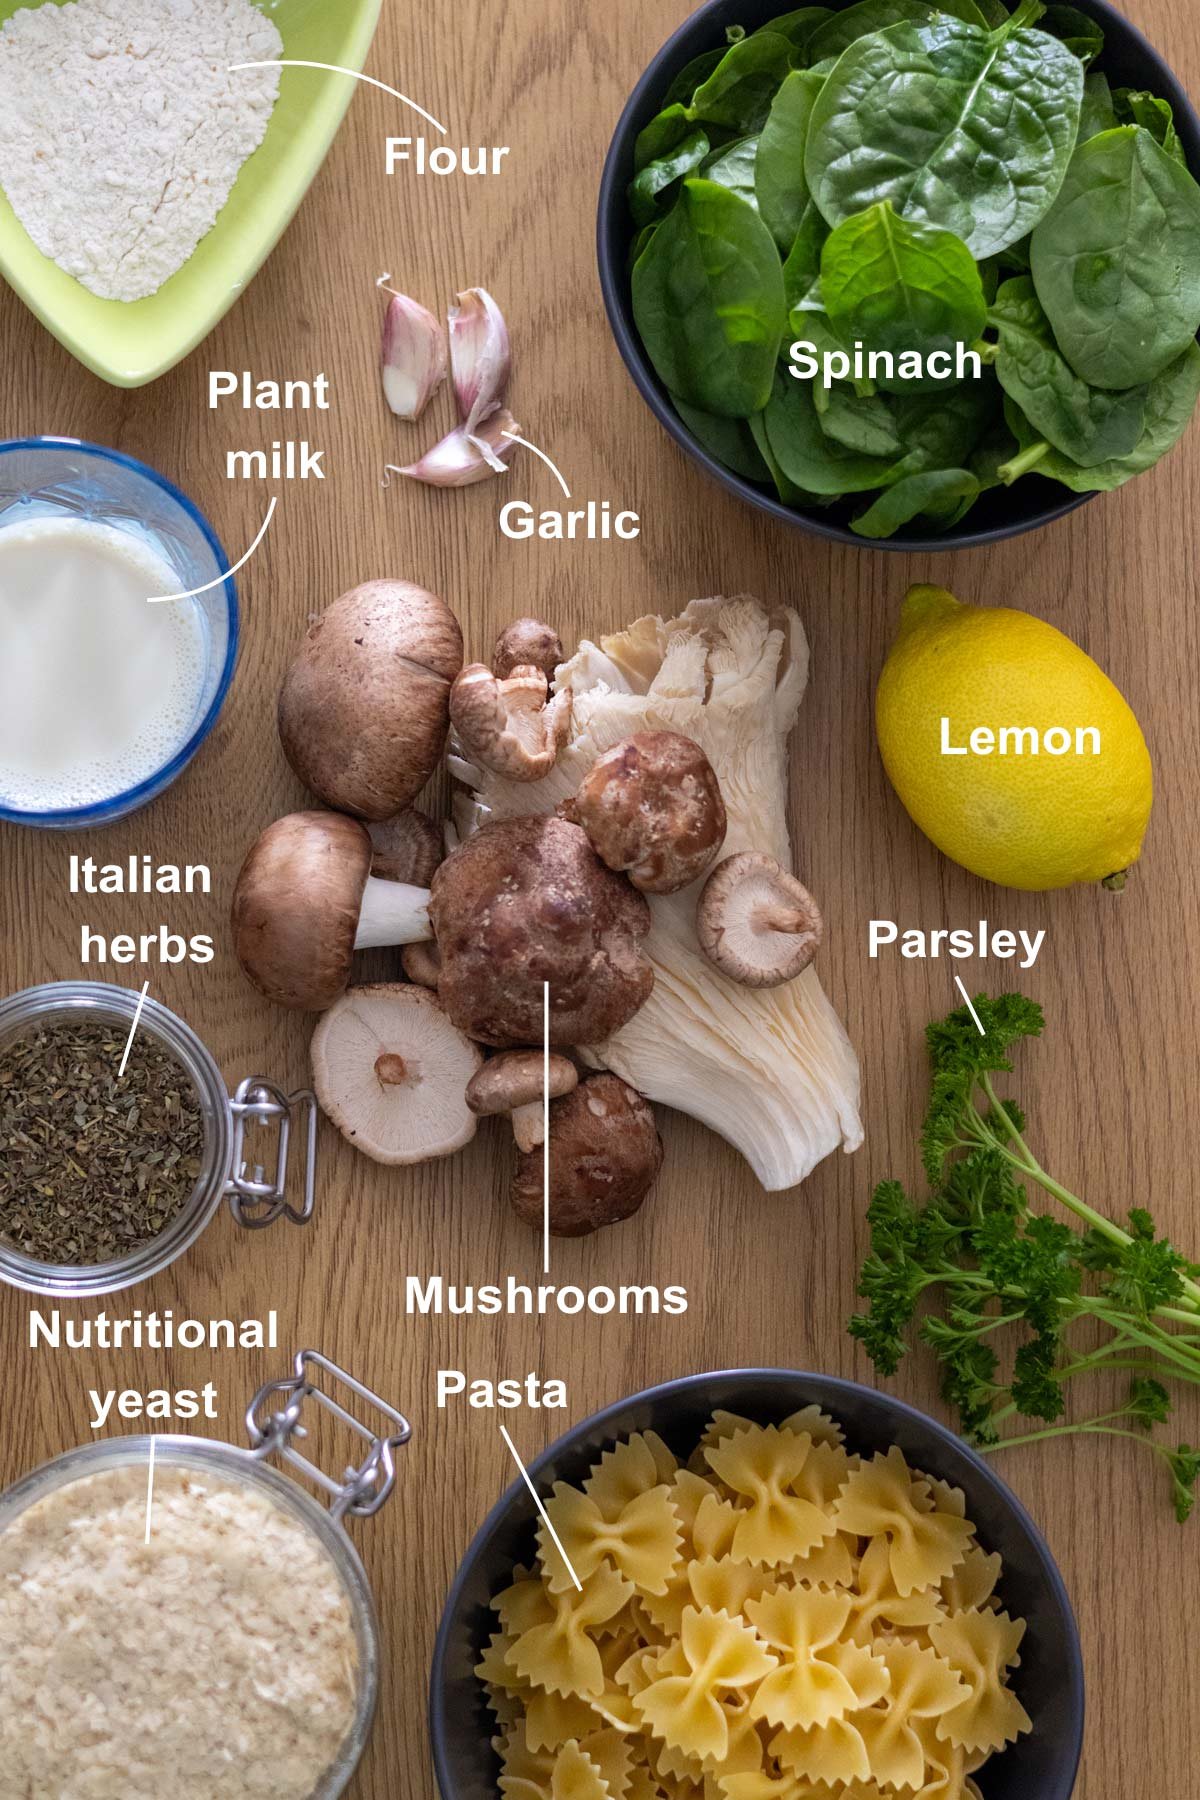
(179, 1617)
(58, 1135)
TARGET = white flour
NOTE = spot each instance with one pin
(122, 130)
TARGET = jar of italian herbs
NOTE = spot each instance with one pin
(118, 1146)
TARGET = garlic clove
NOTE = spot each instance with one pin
(413, 354)
(479, 356)
(462, 457)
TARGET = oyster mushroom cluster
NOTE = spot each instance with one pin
(528, 938)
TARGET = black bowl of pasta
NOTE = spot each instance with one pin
(788, 1582)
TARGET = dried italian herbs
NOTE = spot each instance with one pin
(93, 1164)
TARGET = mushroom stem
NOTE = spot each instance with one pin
(529, 1125)
(780, 918)
(392, 912)
(391, 1070)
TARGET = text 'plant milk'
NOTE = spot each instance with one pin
(98, 688)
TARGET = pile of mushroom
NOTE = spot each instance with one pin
(535, 931)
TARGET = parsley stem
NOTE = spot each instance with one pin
(1098, 1427)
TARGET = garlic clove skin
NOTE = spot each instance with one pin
(479, 356)
(463, 458)
(412, 356)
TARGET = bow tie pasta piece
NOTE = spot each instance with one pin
(876, 1601)
(981, 1647)
(924, 1689)
(641, 1541)
(831, 1564)
(804, 1690)
(559, 1655)
(826, 1754)
(949, 1779)
(884, 1499)
(573, 1776)
(771, 1787)
(552, 1720)
(628, 1470)
(723, 1585)
(762, 1465)
(721, 1655)
(973, 1584)
(817, 1425)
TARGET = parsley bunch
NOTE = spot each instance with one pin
(996, 1269)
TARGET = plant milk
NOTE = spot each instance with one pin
(98, 688)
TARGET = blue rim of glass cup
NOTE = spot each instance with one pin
(118, 805)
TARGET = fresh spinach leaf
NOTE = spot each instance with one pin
(741, 88)
(868, 16)
(1116, 260)
(731, 441)
(648, 187)
(943, 496)
(779, 169)
(733, 167)
(1085, 423)
(806, 456)
(1098, 112)
(708, 301)
(956, 126)
(1132, 107)
(663, 134)
(639, 244)
(690, 78)
(802, 270)
(798, 28)
(1081, 34)
(941, 431)
(858, 422)
(898, 285)
(788, 492)
(1170, 406)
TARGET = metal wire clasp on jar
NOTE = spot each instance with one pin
(257, 1196)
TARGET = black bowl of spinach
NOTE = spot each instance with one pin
(1014, 182)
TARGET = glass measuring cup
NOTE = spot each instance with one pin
(257, 1197)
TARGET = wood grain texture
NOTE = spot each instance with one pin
(1112, 1088)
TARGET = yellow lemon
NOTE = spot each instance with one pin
(1011, 749)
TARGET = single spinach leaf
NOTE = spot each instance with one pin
(639, 244)
(845, 28)
(1132, 107)
(806, 456)
(898, 285)
(665, 131)
(802, 270)
(708, 301)
(943, 496)
(690, 78)
(1081, 34)
(1170, 407)
(788, 492)
(741, 88)
(1098, 112)
(858, 422)
(779, 169)
(648, 187)
(1085, 423)
(956, 126)
(731, 441)
(798, 27)
(941, 431)
(733, 167)
(1116, 260)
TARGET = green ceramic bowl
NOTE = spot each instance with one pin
(131, 343)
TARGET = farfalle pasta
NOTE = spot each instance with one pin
(774, 1618)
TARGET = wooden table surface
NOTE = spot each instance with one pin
(1111, 1088)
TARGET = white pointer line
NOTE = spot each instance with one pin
(537, 1500)
(153, 599)
(133, 1028)
(546, 1125)
(289, 62)
(150, 1489)
(978, 1022)
(512, 438)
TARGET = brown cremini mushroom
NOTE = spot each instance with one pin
(422, 964)
(517, 1082)
(306, 900)
(528, 642)
(652, 807)
(364, 708)
(757, 923)
(605, 1155)
(407, 848)
(511, 727)
(390, 1071)
(527, 901)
